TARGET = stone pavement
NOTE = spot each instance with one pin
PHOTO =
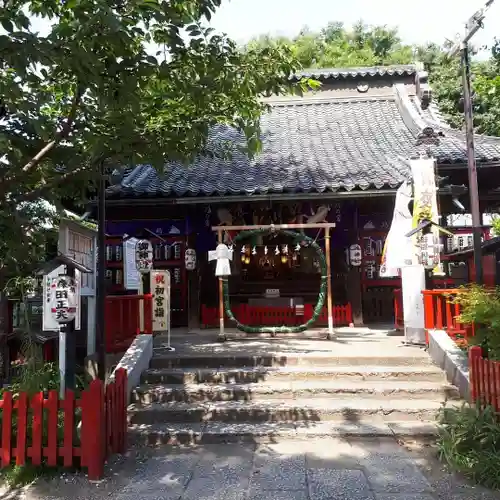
(318, 469)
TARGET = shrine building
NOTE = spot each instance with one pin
(336, 155)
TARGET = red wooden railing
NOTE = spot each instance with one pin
(442, 314)
(31, 430)
(399, 321)
(484, 379)
(124, 320)
(115, 412)
(276, 316)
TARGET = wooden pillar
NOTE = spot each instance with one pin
(222, 335)
(354, 275)
(329, 282)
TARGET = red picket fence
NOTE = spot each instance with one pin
(484, 378)
(441, 313)
(124, 320)
(93, 428)
(276, 316)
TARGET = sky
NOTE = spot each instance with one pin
(419, 21)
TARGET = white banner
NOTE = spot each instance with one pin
(397, 249)
(131, 275)
(160, 290)
(425, 204)
(413, 282)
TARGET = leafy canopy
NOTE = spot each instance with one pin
(119, 82)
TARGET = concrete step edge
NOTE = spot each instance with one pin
(302, 359)
(367, 369)
(307, 404)
(339, 386)
(213, 432)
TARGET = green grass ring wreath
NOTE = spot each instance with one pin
(273, 330)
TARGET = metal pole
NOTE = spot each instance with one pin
(101, 275)
(67, 336)
(471, 162)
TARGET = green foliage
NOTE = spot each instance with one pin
(115, 82)
(481, 306)
(495, 225)
(336, 46)
(488, 106)
(34, 377)
(16, 476)
(469, 442)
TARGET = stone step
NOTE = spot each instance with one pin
(179, 336)
(189, 393)
(298, 410)
(270, 432)
(429, 373)
(330, 358)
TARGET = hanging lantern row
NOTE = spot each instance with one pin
(277, 250)
(284, 252)
(144, 256)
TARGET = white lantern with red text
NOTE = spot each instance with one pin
(64, 299)
(144, 256)
(190, 259)
(355, 255)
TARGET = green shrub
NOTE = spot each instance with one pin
(469, 442)
(481, 306)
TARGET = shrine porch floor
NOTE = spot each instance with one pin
(347, 342)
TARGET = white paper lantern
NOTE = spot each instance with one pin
(63, 299)
(190, 259)
(144, 256)
(355, 255)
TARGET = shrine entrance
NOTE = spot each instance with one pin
(286, 252)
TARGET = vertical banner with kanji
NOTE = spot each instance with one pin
(160, 290)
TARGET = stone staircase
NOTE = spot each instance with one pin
(267, 388)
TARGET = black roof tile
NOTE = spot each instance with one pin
(375, 71)
(308, 146)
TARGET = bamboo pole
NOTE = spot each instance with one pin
(319, 225)
(222, 335)
(329, 282)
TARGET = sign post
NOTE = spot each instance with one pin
(62, 283)
(78, 242)
(64, 292)
(160, 290)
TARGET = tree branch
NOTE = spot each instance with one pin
(62, 134)
(36, 193)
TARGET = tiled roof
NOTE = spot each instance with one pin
(313, 146)
(337, 73)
